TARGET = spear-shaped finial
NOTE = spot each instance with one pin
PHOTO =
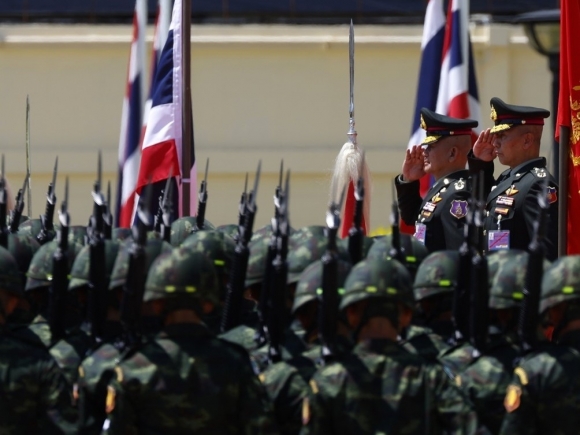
(351, 131)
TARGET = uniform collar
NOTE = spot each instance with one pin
(539, 162)
(185, 330)
(463, 173)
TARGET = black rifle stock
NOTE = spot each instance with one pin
(3, 209)
(202, 200)
(235, 289)
(529, 316)
(60, 270)
(46, 220)
(16, 214)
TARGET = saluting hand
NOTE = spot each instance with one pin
(483, 148)
(413, 164)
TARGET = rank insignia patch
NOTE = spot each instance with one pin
(429, 206)
(458, 208)
(505, 200)
(552, 195)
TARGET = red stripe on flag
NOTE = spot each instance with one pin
(156, 161)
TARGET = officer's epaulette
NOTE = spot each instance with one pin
(539, 172)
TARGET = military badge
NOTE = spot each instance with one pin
(505, 200)
(429, 206)
(423, 124)
(458, 208)
(460, 184)
(552, 195)
(511, 191)
(493, 114)
(436, 198)
(540, 172)
(512, 398)
(502, 210)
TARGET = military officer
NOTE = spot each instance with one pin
(439, 217)
(512, 202)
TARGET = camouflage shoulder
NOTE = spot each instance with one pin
(241, 335)
(27, 335)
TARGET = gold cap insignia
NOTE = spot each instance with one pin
(500, 127)
(430, 139)
(493, 114)
(512, 400)
(423, 125)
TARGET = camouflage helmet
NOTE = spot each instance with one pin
(22, 247)
(32, 227)
(308, 245)
(436, 274)
(218, 247)
(378, 278)
(414, 251)
(231, 230)
(121, 234)
(153, 249)
(40, 270)
(77, 234)
(257, 261)
(185, 226)
(10, 279)
(561, 282)
(367, 244)
(79, 274)
(507, 274)
(310, 283)
(182, 272)
(266, 231)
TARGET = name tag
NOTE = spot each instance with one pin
(498, 239)
(420, 232)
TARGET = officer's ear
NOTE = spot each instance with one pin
(453, 153)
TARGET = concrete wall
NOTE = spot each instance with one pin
(259, 92)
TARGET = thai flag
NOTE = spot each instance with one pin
(162, 144)
(447, 81)
(132, 119)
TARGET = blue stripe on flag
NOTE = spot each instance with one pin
(429, 75)
(162, 92)
(455, 49)
(134, 121)
(472, 85)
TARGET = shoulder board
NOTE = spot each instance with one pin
(540, 172)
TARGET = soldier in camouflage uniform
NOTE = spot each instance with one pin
(381, 387)
(544, 394)
(98, 368)
(412, 250)
(220, 249)
(286, 382)
(186, 380)
(34, 396)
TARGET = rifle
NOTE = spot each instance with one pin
(28, 169)
(328, 313)
(396, 250)
(202, 201)
(277, 294)
(529, 316)
(46, 220)
(267, 285)
(479, 285)
(461, 301)
(97, 274)
(107, 216)
(16, 214)
(355, 233)
(167, 209)
(60, 271)
(3, 209)
(134, 287)
(235, 288)
(242, 209)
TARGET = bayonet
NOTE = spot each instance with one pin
(46, 221)
(18, 207)
(3, 208)
(202, 201)
(28, 165)
(167, 216)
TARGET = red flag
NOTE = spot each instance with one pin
(569, 111)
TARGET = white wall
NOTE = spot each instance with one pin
(266, 92)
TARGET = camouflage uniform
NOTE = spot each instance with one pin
(184, 227)
(34, 396)
(544, 394)
(186, 380)
(286, 382)
(97, 370)
(381, 387)
(413, 251)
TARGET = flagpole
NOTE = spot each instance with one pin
(563, 196)
(187, 117)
